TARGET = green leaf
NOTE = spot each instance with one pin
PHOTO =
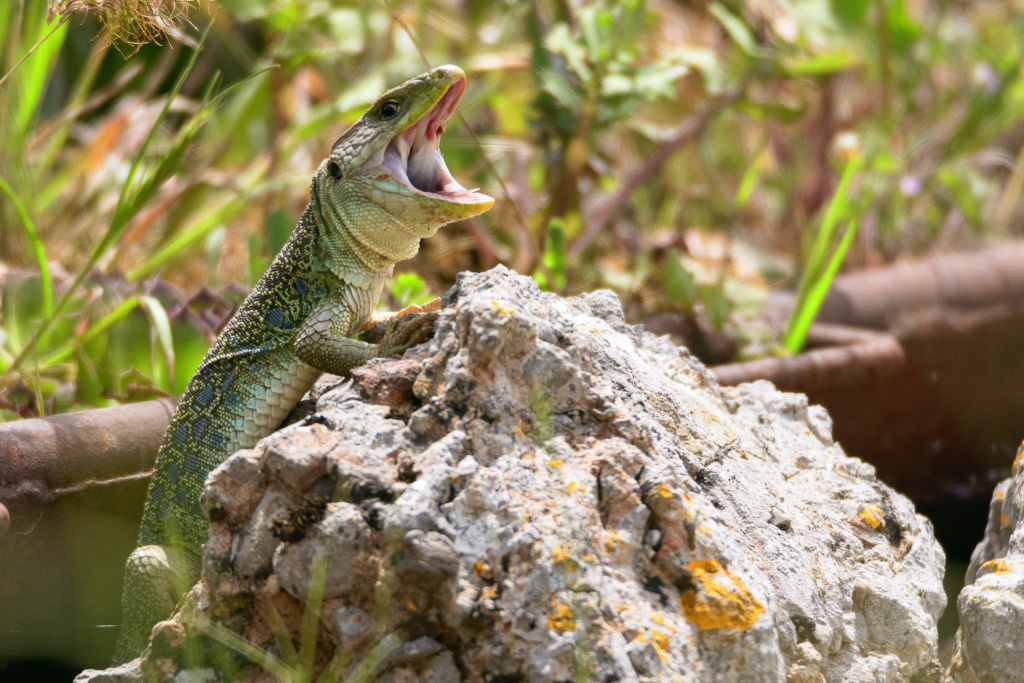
(820, 64)
(561, 41)
(680, 285)
(554, 253)
(850, 13)
(190, 346)
(279, 229)
(37, 246)
(737, 30)
(717, 305)
(902, 29)
(409, 288)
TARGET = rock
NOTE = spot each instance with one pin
(129, 672)
(990, 641)
(545, 490)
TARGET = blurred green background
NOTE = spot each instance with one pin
(689, 155)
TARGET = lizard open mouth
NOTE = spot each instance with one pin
(414, 159)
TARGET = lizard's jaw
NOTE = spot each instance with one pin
(413, 157)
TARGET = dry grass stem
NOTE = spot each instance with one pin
(131, 22)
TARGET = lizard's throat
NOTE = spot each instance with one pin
(361, 240)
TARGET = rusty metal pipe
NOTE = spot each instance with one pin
(42, 456)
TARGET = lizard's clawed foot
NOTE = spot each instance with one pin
(399, 334)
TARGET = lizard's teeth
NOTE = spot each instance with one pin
(403, 149)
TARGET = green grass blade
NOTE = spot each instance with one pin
(82, 86)
(160, 327)
(837, 207)
(35, 68)
(217, 217)
(819, 262)
(37, 246)
(118, 221)
(311, 614)
(254, 654)
(368, 667)
(751, 175)
(66, 349)
(801, 323)
(332, 672)
(284, 640)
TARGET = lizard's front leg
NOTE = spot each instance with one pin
(324, 342)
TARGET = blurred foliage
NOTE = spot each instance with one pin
(131, 179)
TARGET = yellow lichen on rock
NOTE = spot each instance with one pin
(873, 515)
(998, 566)
(561, 619)
(503, 307)
(718, 599)
(660, 642)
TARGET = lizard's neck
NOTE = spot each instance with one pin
(360, 242)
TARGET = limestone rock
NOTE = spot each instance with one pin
(990, 642)
(545, 490)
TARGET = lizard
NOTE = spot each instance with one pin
(383, 188)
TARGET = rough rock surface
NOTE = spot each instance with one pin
(543, 491)
(990, 642)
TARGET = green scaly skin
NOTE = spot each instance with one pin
(383, 188)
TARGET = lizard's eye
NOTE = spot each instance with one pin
(389, 110)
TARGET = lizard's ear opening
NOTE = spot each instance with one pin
(334, 169)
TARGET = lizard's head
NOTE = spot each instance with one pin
(391, 155)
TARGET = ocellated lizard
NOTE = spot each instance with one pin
(383, 188)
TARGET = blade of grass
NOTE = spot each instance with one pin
(284, 640)
(39, 61)
(33, 49)
(99, 327)
(751, 175)
(311, 614)
(366, 668)
(115, 228)
(37, 246)
(838, 208)
(218, 216)
(83, 84)
(254, 654)
(332, 672)
(801, 323)
(160, 333)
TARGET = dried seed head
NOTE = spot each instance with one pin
(132, 22)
